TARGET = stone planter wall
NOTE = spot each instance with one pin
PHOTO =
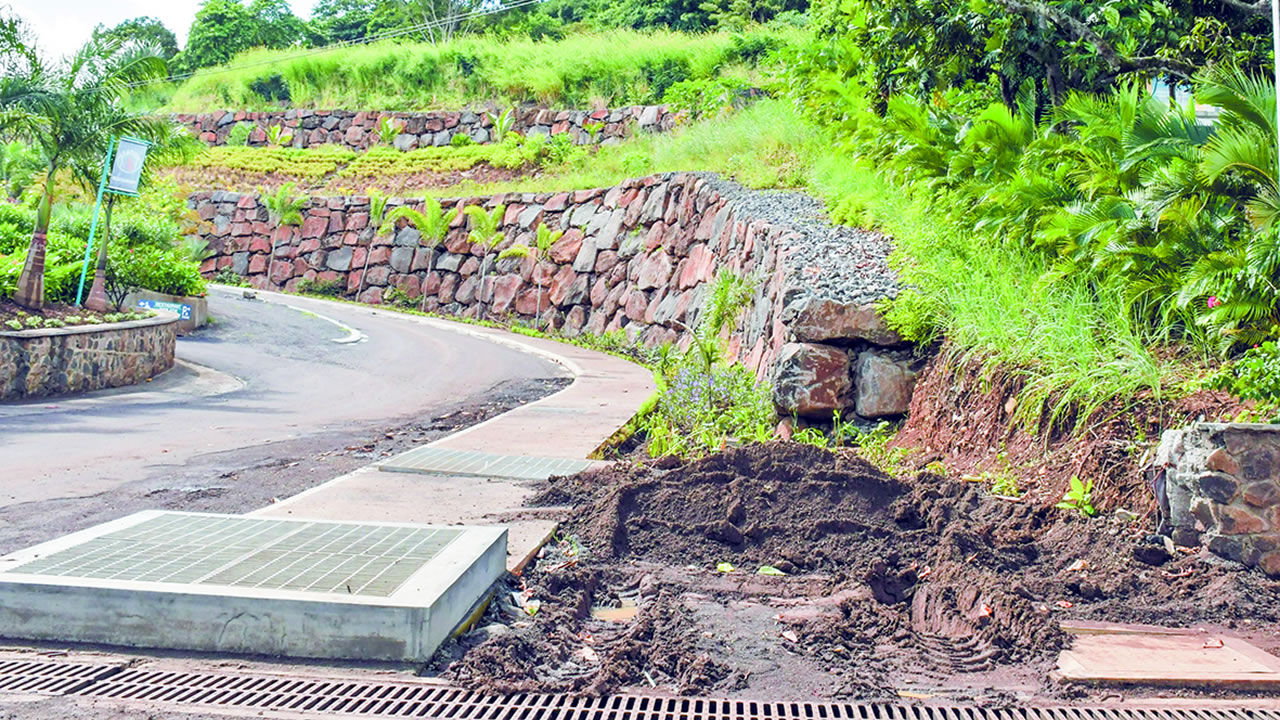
(1221, 488)
(37, 363)
(358, 130)
(637, 257)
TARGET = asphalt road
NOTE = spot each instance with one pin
(264, 374)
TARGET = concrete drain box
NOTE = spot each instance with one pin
(266, 586)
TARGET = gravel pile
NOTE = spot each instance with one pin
(841, 263)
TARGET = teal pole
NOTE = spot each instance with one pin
(93, 226)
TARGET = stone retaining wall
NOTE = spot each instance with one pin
(358, 130)
(37, 363)
(637, 257)
(1221, 488)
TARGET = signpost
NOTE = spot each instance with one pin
(125, 173)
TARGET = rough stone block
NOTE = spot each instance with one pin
(1218, 487)
(884, 386)
(814, 319)
(811, 380)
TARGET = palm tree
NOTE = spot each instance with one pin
(542, 247)
(377, 211)
(70, 111)
(432, 222)
(283, 209)
(485, 233)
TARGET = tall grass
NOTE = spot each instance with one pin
(1076, 346)
(618, 67)
(763, 146)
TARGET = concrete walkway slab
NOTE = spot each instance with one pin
(263, 586)
(1166, 657)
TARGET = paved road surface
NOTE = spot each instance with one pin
(279, 377)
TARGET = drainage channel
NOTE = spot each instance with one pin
(355, 698)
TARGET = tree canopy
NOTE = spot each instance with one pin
(921, 46)
(145, 30)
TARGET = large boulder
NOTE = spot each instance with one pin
(884, 385)
(811, 380)
(815, 319)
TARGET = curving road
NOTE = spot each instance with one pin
(263, 404)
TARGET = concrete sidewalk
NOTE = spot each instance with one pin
(572, 424)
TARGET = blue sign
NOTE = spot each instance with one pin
(184, 311)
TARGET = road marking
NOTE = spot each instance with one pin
(353, 335)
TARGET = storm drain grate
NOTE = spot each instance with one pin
(416, 700)
(472, 463)
(321, 557)
(51, 678)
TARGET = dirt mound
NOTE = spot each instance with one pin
(791, 506)
(890, 586)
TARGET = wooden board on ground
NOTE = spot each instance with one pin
(1113, 654)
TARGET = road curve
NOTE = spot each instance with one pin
(268, 370)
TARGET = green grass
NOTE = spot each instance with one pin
(619, 67)
(1076, 347)
(763, 146)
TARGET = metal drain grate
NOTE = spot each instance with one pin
(472, 463)
(50, 678)
(321, 557)
(419, 700)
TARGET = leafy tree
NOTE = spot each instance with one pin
(920, 46)
(48, 105)
(146, 30)
(221, 29)
(275, 25)
(342, 20)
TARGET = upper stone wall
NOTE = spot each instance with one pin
(358, 130)
(637, 257)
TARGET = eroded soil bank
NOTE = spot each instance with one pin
(921, 585)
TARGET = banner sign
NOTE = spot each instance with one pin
(183, 310)
(126, 171)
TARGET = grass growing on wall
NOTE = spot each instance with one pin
(764, 146)
(614, 68)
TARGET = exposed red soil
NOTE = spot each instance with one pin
(919, 585)
(964, 417)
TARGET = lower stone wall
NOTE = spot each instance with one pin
(1219, 485)
(638, 257)
(38, 363)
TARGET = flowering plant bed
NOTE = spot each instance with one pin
(14, 317)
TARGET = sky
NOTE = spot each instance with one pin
(62, 26)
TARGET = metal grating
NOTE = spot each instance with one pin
(472, 463)
(348, 697)
(319, 557)
(50, 678)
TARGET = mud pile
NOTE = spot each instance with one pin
(888, 584)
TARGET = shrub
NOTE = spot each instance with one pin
(1255, 375)
(238, 136)
(324, 288)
